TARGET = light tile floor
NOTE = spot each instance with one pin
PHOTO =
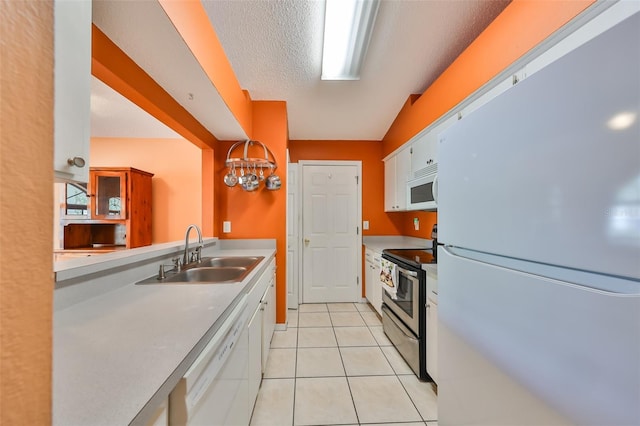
(335, 366)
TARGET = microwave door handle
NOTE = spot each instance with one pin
(434, 189)
(410, 273)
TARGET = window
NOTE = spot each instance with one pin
(76, 199)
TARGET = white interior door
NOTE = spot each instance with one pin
(331, 238)
(293, 235)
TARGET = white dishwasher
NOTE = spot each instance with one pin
(215, 389)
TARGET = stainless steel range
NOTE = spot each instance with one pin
(404, 314)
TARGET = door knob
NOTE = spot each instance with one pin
(306, 241)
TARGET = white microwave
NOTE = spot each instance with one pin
(422, 193)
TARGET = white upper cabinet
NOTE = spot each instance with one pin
(390, 184)
(397, 170)
(423, 155)
(424, 149)
(72, 89)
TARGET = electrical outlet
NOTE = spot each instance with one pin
(226, 227)
(365, 225)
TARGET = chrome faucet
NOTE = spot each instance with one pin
(198, 251)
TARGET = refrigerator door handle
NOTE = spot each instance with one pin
(605, 284)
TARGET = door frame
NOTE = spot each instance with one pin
(301, 165)
(293, 187)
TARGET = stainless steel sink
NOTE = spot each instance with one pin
(209, 275)
(244, 261)
(211, 270)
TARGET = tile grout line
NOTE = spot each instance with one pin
(377, 344)
(411, 399)
(295, 372)
(346, 377)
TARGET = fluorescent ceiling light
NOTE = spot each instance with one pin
(347, 30)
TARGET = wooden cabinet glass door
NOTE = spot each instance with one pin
(108, 195)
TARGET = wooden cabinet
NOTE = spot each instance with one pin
(108, 194)
(396, 174)
(119, 210)
(72, 88)
(373, 289)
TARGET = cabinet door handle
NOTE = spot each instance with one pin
(76, 161)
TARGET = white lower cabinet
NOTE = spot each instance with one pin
(221, 386)
(268, 320)
(432, 322)
(432, 339)
(255, 355)
(261, 325)
(373, 289)
(161, 415)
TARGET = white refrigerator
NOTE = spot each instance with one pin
(539, 271)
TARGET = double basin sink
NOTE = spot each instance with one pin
(210, 270)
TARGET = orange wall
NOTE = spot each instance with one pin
(177, 184)
(208, 192)
(262, 213)
(426, 221)
(26, 207)
(370, 153)
(520, 27)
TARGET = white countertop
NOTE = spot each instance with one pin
(379, 243)
(79, 266)
(125, 349)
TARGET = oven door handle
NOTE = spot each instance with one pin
(406, 272)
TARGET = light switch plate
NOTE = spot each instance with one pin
(226, 227)
(365, 225)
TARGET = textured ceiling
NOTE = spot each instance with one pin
(275, 49)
